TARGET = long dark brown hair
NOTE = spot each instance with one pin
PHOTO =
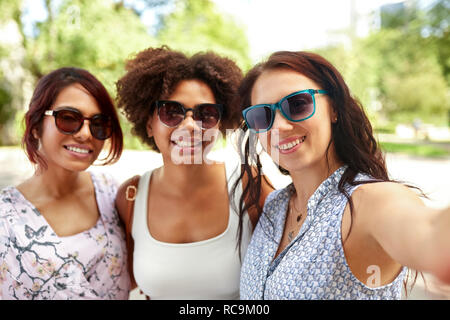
(352, 134)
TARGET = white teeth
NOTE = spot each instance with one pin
(292, 144)
(185, 144)
(75, 149)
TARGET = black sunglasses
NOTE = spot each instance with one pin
(172, 113)
(69, 120)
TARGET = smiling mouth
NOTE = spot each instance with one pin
(78, 150)
(292, 144)
(187, 144)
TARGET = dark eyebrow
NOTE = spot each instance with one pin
(77, 110)
(67, 108)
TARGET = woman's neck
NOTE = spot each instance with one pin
(187, 177)
(307, 180)
(54, 183)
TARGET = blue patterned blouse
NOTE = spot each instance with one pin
(313, 265)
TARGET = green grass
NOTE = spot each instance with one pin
(421, 150)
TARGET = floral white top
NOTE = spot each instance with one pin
(35, 263)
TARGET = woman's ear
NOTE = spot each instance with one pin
(334, 116)
(35, 134)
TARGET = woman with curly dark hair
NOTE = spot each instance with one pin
(183, 224)
(342, 229)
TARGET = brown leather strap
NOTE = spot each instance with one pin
(130, 195)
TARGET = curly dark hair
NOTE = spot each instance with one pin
(155, 72)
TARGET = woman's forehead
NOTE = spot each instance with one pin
(78, 97)
(191, 93)
(274, 84)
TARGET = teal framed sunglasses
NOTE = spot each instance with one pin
(296, 107)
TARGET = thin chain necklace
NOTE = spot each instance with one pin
(299, 214)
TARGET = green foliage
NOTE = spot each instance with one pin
(197, 25)
(9, 9)
(96, 35)
(421, 150)
(423, 91)
(99, 35)
(6, 112)
(409, 81)
(438, 19)
(358, 66)
(400, 15)
(397, 72)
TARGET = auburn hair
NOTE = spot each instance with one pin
(44, 95)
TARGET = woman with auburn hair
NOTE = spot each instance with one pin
(60, 235)
(342, 229)
(183, 224)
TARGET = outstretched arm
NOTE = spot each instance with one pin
(410, 232)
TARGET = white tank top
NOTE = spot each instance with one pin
(207, 269)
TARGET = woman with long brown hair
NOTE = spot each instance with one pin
(342, 229)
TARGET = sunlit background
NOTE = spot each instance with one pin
(394, 55)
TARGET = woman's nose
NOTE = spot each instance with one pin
(85, 132)
(189, 123)
(280, 123)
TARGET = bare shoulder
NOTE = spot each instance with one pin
(385, 192)
(121, 200)
(374, 202)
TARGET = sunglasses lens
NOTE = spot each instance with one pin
(101, 126)
(171, 113)
(68, 121)
(299, 106)
(259, 118)
(208, 114)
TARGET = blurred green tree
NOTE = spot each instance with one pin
(412, 64)
(197, 25)
(96, 35)
(358, 65)
(99, 35)
(400, 71)
(6, 112)
(13, 76)
(438, 29)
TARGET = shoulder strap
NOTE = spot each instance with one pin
(130, 195)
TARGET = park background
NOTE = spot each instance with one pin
(394, 55)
